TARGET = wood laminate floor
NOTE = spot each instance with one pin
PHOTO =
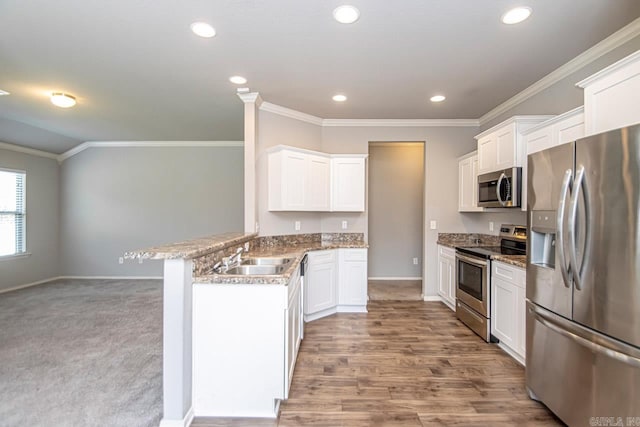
(395, 290)
(403, 364)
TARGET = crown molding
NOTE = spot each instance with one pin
(293, 114)
(144, 144)
(251, 97)
(26, 150)
(615, 40)
(401, 122)
(610, 69)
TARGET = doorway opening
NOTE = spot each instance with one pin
(396, 220)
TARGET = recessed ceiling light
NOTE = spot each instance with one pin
(63, 100)
(339, 98)
(346, 14)
(239, 80)
(4, 92)
(438, 98)
(203, 29)
(516, 15)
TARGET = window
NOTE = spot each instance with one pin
(12, 212)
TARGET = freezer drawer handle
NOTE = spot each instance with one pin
(598, 348)
(564, 190)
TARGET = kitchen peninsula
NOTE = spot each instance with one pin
(216, 324)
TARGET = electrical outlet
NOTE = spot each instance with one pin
(120, 260)
(490, 225)
(415, 261)
(297, 225)
(257, 227)
(139, 260)
(344, 225)
(433, 224)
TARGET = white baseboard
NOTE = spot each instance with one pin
(431, 298)
(185, 422)
(51, 279)
(395, 278)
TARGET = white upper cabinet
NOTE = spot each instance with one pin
(611, 96)
(502, 146)
(561, 129)
(347, 184)
(468, 183)
(304, 180)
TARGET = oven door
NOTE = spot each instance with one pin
(473, 282)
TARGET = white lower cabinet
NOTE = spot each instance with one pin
(447, 276)
(245, 343)
(508, 303)
(335, 281)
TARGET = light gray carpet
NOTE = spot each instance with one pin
(82, 353)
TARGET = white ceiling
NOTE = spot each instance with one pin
(140, 74)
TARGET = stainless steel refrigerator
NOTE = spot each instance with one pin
(583, 279)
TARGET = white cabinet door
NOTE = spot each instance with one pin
(292, 340)
(347, 184)
(321, 282)
(287, 176)
(352, 273)
(504, 300)
(468, 184)
(521, 321)
(318, 180)
(505, 148)
(539, 140)
(569, 129)
(487, 154)
(447, 276)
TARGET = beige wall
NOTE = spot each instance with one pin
(396, 193)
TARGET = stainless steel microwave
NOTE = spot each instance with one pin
(501, 189)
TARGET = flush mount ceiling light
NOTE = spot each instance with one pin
(346, 14)
(339, 98)
(238, 80)
(63, 100)
(203, 29)
(4, 92)
(516, 15)
(438, 98)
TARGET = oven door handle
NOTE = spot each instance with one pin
(474, 261)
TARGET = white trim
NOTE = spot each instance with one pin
(25, 150)
(251, 97)
(15, 256)
(610, 69)
(28, 285)
(554, 120)
(432, 298)
(293, 114)
(394, 278)
(613, 41)
(112, 277)
(401, 122)
(533, 119)
(185, 422)
(144, 144)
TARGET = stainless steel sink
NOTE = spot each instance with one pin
(266, 261)
(258, 270)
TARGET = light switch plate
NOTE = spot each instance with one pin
(490, 225)
(344, 225)
(297, 225)
(433, 224)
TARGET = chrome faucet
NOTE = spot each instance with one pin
(234, 259)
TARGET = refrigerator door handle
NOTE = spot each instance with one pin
(607, 348)
(498, 187)
(564, 190)
(578, 187)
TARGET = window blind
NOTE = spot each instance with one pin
(12, 212)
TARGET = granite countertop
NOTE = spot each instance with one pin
(515, 260)
(191, 248)
(470, 240)
(295, 250)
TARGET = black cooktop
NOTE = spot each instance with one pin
(486, 251)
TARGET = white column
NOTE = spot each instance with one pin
(177, 346)
(252, 103)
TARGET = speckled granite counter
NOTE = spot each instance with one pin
(294, 246)
(515, 260)
(454, 240)
(192, 248)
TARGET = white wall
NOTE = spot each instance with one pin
(396, 201)
(115, 200)
(42, 191)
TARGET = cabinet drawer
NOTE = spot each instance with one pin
(446, 251)
(507, 272)
(354, 254)
(320, 257)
